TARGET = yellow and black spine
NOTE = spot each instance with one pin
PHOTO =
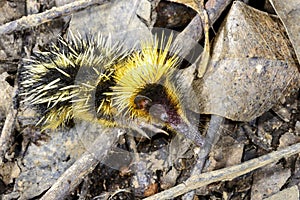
(62, 81)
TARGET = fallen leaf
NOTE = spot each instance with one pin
(289, 13)
(251, 67)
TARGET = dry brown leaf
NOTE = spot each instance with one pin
(289, 13)
(251, 67)
(190, 3)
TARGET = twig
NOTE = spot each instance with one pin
(186, 40)
(194, 31)
(226, 174)
(40, 18)
(206, 51)
(212, 136)
(255, 139)
(9, 125)
(73, 176)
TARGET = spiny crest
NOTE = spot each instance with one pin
(50, 79)
(153, 65)
(91, 104)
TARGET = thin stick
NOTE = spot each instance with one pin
(40, 18)
(212, 136)
(206, 51)
(74, 175)
(194, 31)
(226, 174)
(9, 125)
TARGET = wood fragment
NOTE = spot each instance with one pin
(188, 38)
(7, 131)
(255, 139)
(73, 176)
(206, 51)
(227, 173)
(40, 18)
(212, 136)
